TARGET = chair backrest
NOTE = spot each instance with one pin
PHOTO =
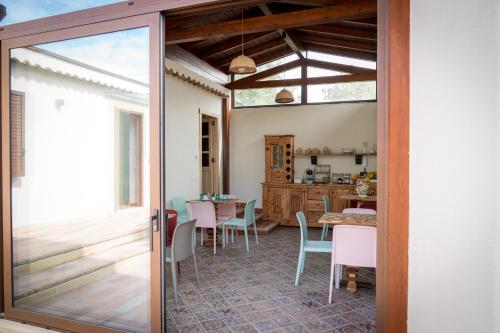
(250, 212)
(179, 204)
(354, 245)
(326, 202)
(303, 227)
(182, 241)
(203, 212)
(359, 211)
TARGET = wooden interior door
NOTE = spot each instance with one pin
(209, 155)
(72, 260)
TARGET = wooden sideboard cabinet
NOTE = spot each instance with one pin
(282, 201)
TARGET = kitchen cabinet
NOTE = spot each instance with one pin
(282, 201)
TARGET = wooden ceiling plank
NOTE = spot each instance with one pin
(340, 31)
(338, 43)
(341, 12)
(289, 37)
(267, 73)
(343, 52)
(232, 44)
(252, 52)
(310, 3)
(306, 81)
(338, 67)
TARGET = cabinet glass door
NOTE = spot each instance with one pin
(83, 142)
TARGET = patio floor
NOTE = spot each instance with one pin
(255, 292)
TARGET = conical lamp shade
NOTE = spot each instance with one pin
(242, 65)
(284, 96)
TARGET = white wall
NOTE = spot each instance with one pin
(497, 233)
(183, 102)
(69, 151)
(453, 167)
(331, 125)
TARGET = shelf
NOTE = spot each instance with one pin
(334, 155)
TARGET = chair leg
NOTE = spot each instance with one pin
(174, 279)
(196, 269)
(223, 236)
(232, 234)
(255, 229)
(202, 231)
(246, 238)
(215, 240)
(332, 269)
(324, 233)
(338, 272)
(303, 262)
(299, 265)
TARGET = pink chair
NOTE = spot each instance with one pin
(204, 213)
(353, 246)
(359, 211)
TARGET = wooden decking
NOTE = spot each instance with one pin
(96, 271)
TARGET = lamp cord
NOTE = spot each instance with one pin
(242, 41)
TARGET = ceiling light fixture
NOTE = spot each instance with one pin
(242, 64)
(284, 96)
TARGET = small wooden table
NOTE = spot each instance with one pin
(358, 198)
(365, 220)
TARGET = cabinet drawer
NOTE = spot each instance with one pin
(315, 206)
(317, 193)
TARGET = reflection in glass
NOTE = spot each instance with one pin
(80, 179)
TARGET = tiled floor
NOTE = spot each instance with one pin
(255, 292)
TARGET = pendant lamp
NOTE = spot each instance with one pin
(242, 64)
(284, 96)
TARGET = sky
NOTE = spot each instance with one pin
(24, 10)
(124, 52)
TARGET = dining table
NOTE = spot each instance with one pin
(366, 220)
(359, 199)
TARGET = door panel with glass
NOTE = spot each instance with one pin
(82, 182)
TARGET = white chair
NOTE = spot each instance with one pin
(353, 246)
(182, 248)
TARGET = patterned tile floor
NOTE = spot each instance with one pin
(255, 291)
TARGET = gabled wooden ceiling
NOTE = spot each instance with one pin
(271, 29)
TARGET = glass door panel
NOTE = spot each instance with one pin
(80, 179)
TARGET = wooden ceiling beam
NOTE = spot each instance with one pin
(195, 64)
(339, 51)
(310, 3)
(302, 18)
(306, 81)
(338, 67)
(288, 36)
(252, 52)
(267, 73)
(232, 44)
(330, 41)
(328, 30)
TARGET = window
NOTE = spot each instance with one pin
(130, 160)
(263, 96)
(17, 133)
(326, 78)
(342, 92)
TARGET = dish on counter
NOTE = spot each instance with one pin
(347, 150)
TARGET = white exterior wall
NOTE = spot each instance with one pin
(183, 101)
(454, 142)
(331, 125)
(69, 159)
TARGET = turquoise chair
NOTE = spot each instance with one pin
(242, 224)
(179, 204)
(308, 246)
(328, 209)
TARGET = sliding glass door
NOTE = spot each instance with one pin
(81, 175)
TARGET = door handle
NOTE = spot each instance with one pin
(153, 227)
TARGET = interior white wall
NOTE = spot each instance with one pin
(453, 167)
(331, 125)
(497, 233)
(183, 102)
